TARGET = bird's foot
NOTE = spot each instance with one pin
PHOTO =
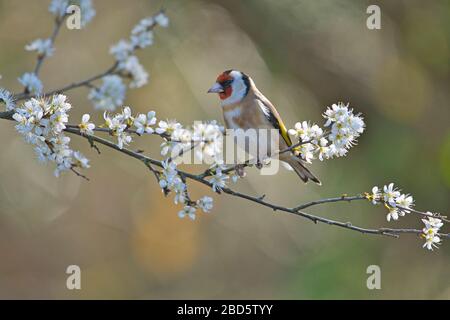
(258, 165)
(240, 170)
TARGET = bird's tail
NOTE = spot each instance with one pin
(301, 170)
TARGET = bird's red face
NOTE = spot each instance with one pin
(223, 85)
(232, 86)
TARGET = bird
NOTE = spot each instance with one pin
(245, 107)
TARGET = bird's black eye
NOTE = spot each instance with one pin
(226, 83)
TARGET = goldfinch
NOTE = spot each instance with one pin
(245, 107)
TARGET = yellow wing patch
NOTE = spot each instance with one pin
(287, 139)
(284, 134)
(276, 121)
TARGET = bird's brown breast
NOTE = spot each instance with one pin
(244, 115)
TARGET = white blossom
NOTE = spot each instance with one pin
(433, 223)
(431, 232)
(31, 82)
(397, 203)
(375, 196)
(41, 122)
(124, 50)
(118, 126)
(7, 98)
(218, 180)
(322, 149)
(180, 141)
(125, 116)
(142, 40)
(138, 74)
(110, 95)
(206, 131)
(179, 187)
(208, 141)
(393, 214)
(205, 139)
(129, 63)
(356, 123)
(168, 127)
(25, 123)
(79, 160)
(121, 50)
(182, 135)
(43, 153)
(431, 240)
(404, 201)
(85, 126)
(205, 203)
(306, 132)
(170, 180)
(168, 174)
(44, 47)
(61, 153)
(143, 26)
(306, 151)
(145, 123)
(187, 211)
(162, 20)
(141, 35)
(114, 124)
(58, 103)
(58, 121)
(337, 113)
(346, 127)
(390, 193)
(167, 147)
(123, 139)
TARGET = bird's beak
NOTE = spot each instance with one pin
(216, 88)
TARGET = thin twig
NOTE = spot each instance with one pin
(346, 198)
(153, 170)
(322, 201)
(58, 23)
(92, 144)
(74, 85)
(79, 174)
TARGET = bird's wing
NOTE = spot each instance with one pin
(273, 117)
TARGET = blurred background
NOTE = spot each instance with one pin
(304, 56)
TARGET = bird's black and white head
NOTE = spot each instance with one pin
(232, 86)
